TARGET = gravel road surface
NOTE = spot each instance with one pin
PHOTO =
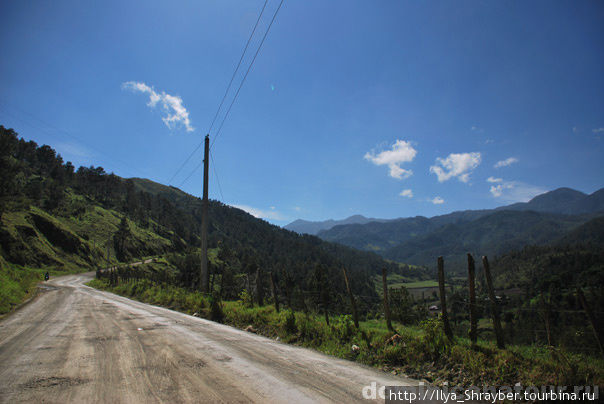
(76, 344)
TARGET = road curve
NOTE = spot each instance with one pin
(77, 344)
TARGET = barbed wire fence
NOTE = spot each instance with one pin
(524, 321)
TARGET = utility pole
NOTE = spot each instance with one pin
(204, 219)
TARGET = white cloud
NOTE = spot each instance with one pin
(270, 214)
(407, 192)
(497, 190)
(515, 191)
(476, 129)
(575, 129)
(175, 112)
(297, 208)
(401, 152)
(507, 162)
(458, 165)
(437, 200)
(597, 130)
(493, 179)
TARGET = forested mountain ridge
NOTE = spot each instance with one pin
(309, 227)
(55, 216)
(418, 240)
(494, 234)
(564, 201)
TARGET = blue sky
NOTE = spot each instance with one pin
(382, 108)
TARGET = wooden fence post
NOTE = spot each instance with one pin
(275, 297)
(353, 305)
(259, 289)
(545, 307)
(472, 293)
(592, 319)
(443, 298)
(494, 307)
(386, 304)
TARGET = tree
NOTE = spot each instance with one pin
(121, 239)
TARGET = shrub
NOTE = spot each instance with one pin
(246, 298)
(434, 337)
(343, 328)
(289, 325)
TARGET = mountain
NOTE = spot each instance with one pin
(380, 236)
(419, 240)
(576, 259)
(307, 227)
(564, 201)
(493, 234)
(57, 218)
(590, 233)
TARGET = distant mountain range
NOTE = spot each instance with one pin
(565, 201)
(308, 227)
(418, 240)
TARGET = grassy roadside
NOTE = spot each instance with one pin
(18, 283)
(421, 352)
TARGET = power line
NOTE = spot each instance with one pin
(51, 130)
(237, 68)
(223, 97)
(215, 174)
(190, 174)
(217, 180)
(246, 73)
(185, 162)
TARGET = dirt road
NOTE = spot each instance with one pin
(77, 344)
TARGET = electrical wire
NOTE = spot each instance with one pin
(223, 97)
(246, 74)
(238, 65)
(185, 162)
(217, 179)
(53, 131)
(190, 174)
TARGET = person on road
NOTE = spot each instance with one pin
(46, 276)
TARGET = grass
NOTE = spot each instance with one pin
(18, 283)
(396, 281)
(75, 238)
(421, 284)
(421, 351)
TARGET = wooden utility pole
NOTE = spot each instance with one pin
(204, 280)
(592, 320)
(386, 303)
(493, 299)
(274, 287)
(472, 293)
(353, 304)
(443, 298)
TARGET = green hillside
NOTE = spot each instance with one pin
(54, 217)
